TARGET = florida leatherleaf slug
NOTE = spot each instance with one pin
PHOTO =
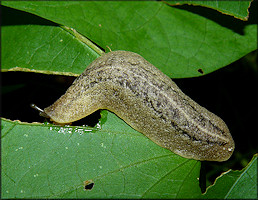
(150, 102)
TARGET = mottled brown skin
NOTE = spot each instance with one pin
(150, 102)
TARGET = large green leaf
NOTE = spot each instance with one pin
(238, 9)
(48, 49)
(177, 41)
(236, 184)
(45, 161)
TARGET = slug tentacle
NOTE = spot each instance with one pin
(150, 102)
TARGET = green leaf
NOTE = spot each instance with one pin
(235, 184)
(46, 49)
(238, 9)
(177, 41)
(46, 161)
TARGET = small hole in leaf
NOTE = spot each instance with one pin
(88, 185)
(200, 71)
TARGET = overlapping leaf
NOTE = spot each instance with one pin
(238, 9)
(179, 42)
(236, 184)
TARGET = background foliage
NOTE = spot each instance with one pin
(182, 41)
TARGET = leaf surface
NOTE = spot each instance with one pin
(46, 161)
(238, 9)
(236, 184)
(179, 42)
(46, 49)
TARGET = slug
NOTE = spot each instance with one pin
(149, 101)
